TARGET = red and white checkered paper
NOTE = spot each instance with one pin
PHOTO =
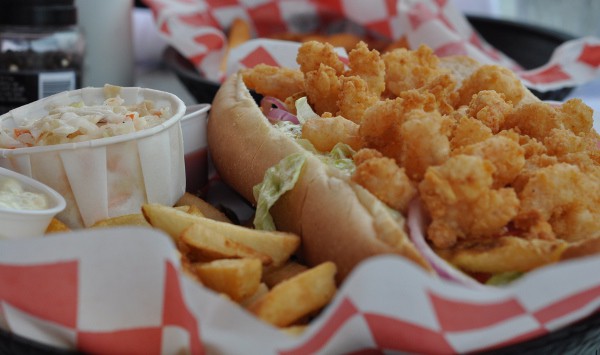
(195, 29)
(121, 291)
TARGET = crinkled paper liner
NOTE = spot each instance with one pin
(123, 291)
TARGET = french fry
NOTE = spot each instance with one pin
(294, 330)
(239, 32)
(203, 244)
(56, 226)
(168, 219)
(237, 278)
(206, 209)
(125, 220)
(278, 245)
(297, 297)
(260, 291)
(274, 275)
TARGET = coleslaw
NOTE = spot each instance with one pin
(78, 122)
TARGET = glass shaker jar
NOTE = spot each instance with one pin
(41, 50)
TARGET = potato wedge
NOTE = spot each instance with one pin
(56, 226)
(198, 243)
(278, 245)
(260, 291)
(274, 275)
(206, 209)
(136, 219)
(237, 278)
(298, 296)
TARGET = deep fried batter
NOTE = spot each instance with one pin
(354, 98)
(406, 69)
(369, 66)
(325, 133)
(489, 107)
(462, 203)
(386, 180)
(322, 87)
(273, 81)
(468, 131)
(507, 156)
(491, 77)
(312, 54)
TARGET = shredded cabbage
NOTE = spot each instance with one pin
(277, 180)
(78, 122)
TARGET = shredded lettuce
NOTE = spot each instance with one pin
(503, 278)
(303, 110)
(277, 180)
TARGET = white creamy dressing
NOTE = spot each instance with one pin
(13, 196)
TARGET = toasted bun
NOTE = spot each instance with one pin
(337, 219)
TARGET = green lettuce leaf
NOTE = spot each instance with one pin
(277, 180)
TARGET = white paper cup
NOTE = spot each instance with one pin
(105, 177)
(195, 147)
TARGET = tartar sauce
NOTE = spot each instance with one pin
(13, 196)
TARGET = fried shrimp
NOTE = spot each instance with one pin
(564, 197)
(507, 156)
(424, 142)
(406, 69)
(273, 81)
(325, 132)
(312, 54)
(369, 66)
(462, 203)
(386, 180)
(354, 98)
(491, 77)
(534, 119)
(490, 107)
(322, 87)
(467, 131)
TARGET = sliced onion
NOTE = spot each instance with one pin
(416, 226)
(281, 115)
(268, 102)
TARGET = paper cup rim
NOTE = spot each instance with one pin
(178, 113)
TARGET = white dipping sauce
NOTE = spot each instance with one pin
(13, 196)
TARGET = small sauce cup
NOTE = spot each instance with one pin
(28, 223)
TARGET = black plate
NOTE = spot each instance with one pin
(530, 46)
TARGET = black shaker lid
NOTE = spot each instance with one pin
(38, 13)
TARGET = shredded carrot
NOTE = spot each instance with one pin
(131, 116)
(18, 131)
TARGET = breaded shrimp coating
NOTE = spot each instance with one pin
(424, 142)
(491, 77)
(312, 54)
(468, 131)
(322, 87)
(490, 107)
(534, 119)
(564, 197)
(386, 180)
(442, 88)
(381, 123)
(369, 66)
(577, 116)
(273, 81)
(462, 203)
(325, 133)
(410, 69)
(507, 156)
(365, 154)
(354, 98)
